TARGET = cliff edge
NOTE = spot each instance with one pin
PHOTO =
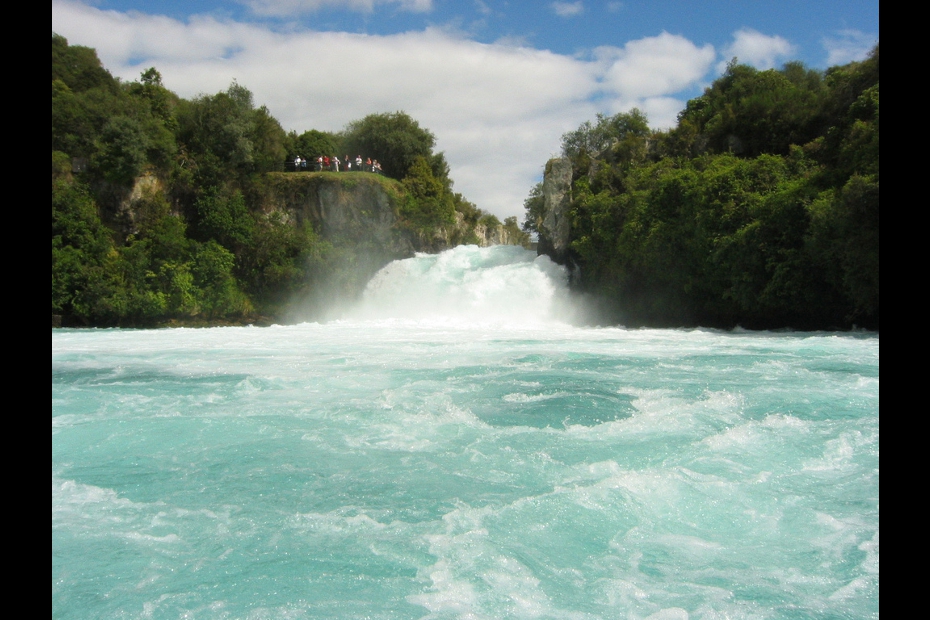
(364, 210)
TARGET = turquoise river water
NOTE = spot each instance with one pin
(455, 447)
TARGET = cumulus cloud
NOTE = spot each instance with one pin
(568, 9)
(498, 110)
(848, 46)
(653, 66)
(295, 7)
(756, 49)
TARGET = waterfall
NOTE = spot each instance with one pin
(468, 284)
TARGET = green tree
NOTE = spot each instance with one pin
(429, 204)
(268, 140)
(589, 139)
(534, 205)
(121, 154)
(80, 246)
(213, 275)
(394, 139)
(281, 260)
(311, 144)
(515, 233)
(219, 128)
(161, 101)
(78, 67)
(225, 217)
(748, 112)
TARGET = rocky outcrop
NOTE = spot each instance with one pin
(493, 235)
(555, 227)
(122, 207)
(362, 210)
(360, 216)
(350, 210)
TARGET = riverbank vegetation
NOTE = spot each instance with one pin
(759, 208)
(157, 201)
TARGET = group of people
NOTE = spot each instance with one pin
(325, 162)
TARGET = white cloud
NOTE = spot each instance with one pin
(498, 111)
(568, 9)
(662, 112)
(756, 49)
(296, 7)
(654, 66)
(848, 46)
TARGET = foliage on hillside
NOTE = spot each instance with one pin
(195, 245)
(760, 207)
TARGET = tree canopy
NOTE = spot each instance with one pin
(157, 201)
(394, 139)
(759, 208)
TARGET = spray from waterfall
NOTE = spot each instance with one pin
(468, 284)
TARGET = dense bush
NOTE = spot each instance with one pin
(759, 208)
(196, 245)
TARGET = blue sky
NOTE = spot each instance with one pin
(497, 82)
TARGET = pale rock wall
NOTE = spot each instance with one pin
(555, 228)
(363, 211)
(353, 211)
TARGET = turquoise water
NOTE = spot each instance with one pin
(455, 448)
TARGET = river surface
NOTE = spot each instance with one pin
(455, 447)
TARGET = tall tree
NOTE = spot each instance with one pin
(394, 139)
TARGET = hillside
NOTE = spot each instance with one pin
(174, 211)
(759, 209)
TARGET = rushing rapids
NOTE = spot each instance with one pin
(456, 448)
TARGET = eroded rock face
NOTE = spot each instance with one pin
(352, 211)
(492, 235)
(555, 228)
(363, 211)
(122, 207)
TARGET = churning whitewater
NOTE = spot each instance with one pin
(468, 285)
(454, 447)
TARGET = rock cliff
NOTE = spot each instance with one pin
(555, 227)
(360, 216)
(363, 211)
(352, 210)
(345, 210)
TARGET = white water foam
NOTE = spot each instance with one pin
(462, 452)
(470, 285)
